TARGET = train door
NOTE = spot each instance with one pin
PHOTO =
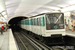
(55, 24)
(42, 24)
(38, 27)
(34, 26)
(29, 24)
(24, 24)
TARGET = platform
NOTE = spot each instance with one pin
(70, 33)
(4, 40)
(7, 41)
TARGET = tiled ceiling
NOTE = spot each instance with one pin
(30, 8)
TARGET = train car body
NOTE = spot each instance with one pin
(45, 25)
(22, 24)
(54, 24)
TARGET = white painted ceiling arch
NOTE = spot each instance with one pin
(30, 8)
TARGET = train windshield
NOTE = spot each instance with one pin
(54, 21)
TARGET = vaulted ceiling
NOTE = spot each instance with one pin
(28, 8)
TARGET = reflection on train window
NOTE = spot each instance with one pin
(38, 21)
(34, 21)
(31, 22)
(54, 20)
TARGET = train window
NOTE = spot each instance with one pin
(34, 21)
(31, 21)
(38, 21)
(53, 21)
(41, 21)
(43, 24)
(23, 21)
(28, 21)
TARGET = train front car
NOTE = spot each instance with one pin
(54, 24)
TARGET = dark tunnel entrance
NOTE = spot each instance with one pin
(14, 23)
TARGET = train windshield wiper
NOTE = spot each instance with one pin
(48, 20)
(58, 18)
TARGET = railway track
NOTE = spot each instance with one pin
(42, 47)
(27, 43)
(47, 47)
(23, 44)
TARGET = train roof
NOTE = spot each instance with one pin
(45, 14)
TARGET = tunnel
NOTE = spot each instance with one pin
(14, 23)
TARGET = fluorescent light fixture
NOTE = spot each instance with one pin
(32, 14)
(0, 15)
(2, 6)
(36, 13)
(51, 7)
(44, 11)
(67, 14)
(5, 16)
(54, 11)
(71, 2)
(2, 19)
(3, 13)
(70, 8)
(61, 5)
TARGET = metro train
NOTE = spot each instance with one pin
(45, 25)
